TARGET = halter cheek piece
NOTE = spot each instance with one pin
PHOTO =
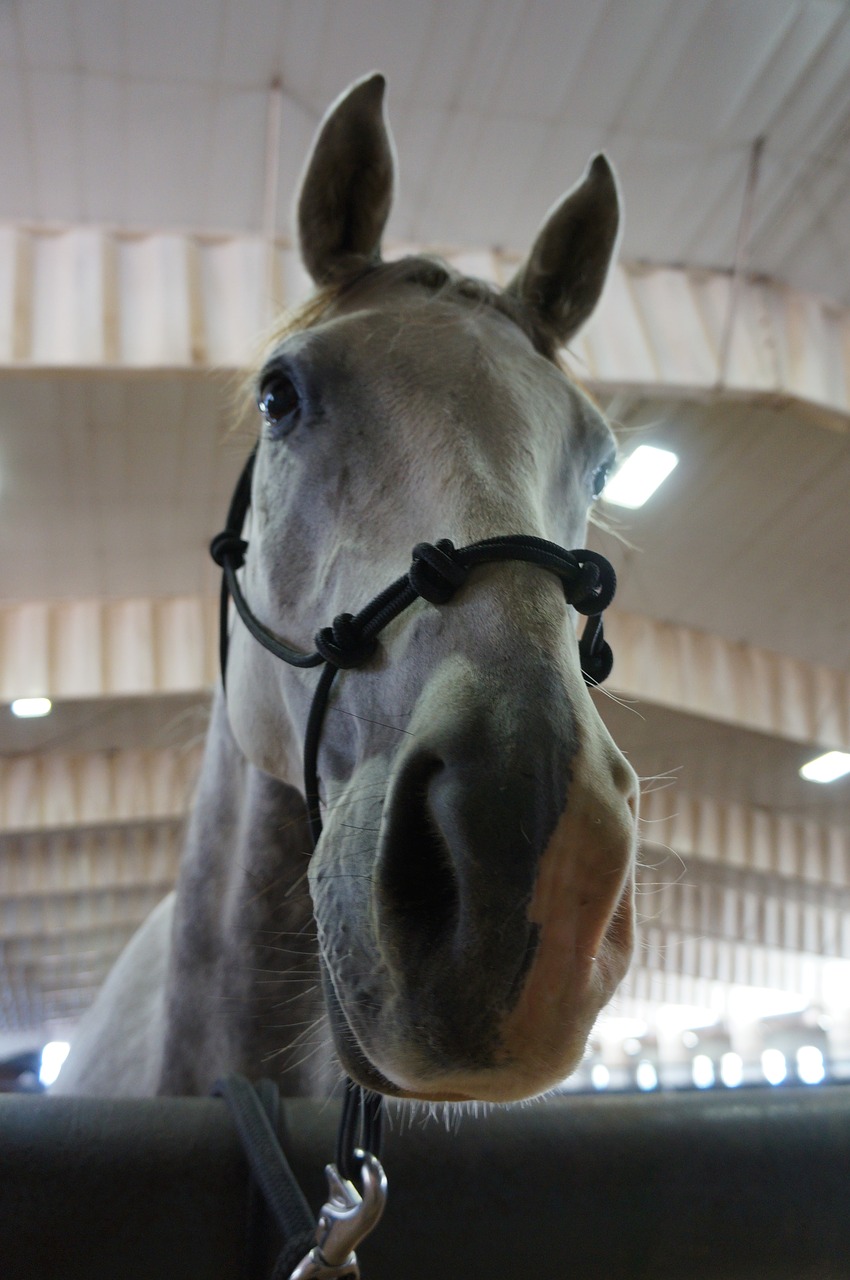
(436, 572)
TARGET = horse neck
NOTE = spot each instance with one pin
(242, 992)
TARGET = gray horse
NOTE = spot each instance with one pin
(469, 907)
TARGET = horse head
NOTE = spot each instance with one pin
(473, 884)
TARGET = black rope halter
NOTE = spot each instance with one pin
(436, 572)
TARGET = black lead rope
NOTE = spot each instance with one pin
(254, 1110)
(436, 572)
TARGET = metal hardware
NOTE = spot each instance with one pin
(345, 1220)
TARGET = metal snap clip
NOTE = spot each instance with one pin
(345, 1220)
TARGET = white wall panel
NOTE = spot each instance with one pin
(94, 648)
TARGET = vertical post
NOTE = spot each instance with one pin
(742, 246)
(274, 116)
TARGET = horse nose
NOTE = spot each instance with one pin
(464, 827)
(462, 831)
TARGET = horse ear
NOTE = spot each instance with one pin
(347, 188)
(562, 278)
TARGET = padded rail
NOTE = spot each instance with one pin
(713, 1186)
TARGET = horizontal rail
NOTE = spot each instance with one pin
(722, 1186)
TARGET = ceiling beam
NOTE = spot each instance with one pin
(120, 648)
(87, 297)
(54, 789)
(738, 684)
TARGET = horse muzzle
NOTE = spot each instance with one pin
(499, 914)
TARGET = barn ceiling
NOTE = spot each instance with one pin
(151, 115)
(134, 159)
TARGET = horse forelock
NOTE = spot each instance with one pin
(436, 278)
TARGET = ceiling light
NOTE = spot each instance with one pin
(639, 476)
(646, 1077)
(810, 1066)
(675, 1018)
(610, 1027)
(774, 1066)
(29, 708)
(52, 1057)
(600, 1076)
(731, 1070)
(702, 1071)
(827, 768)
(749, 1004)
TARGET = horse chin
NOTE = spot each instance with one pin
(543, 1038)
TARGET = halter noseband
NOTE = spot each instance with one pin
(436, 572)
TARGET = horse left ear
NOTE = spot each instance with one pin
(562, 278)
(347, 187)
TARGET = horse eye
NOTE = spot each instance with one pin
(279, 403)
(600, 479)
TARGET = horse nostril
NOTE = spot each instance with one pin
(625, 779)
(418, 880)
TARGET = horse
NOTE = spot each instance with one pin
(468, 908)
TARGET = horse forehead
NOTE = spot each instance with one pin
(446, 348)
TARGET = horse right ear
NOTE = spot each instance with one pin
(562, 278)
(347, 188)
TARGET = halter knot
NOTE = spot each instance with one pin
(595, 654)
(343, 645)
(594, 586)
(230, 547)
(436, 572)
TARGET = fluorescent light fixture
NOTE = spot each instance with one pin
(827, 768)
(731, 1070)
(774, 1066)
(646, 1077)
(835, 985)
(613, 1028)
(600, 1076)
(639, 476)
(673, 1018)
(29, 708)
(53, 1055)
(749, 1004)
(810, 1066)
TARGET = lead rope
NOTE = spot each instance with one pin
(436, 572)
